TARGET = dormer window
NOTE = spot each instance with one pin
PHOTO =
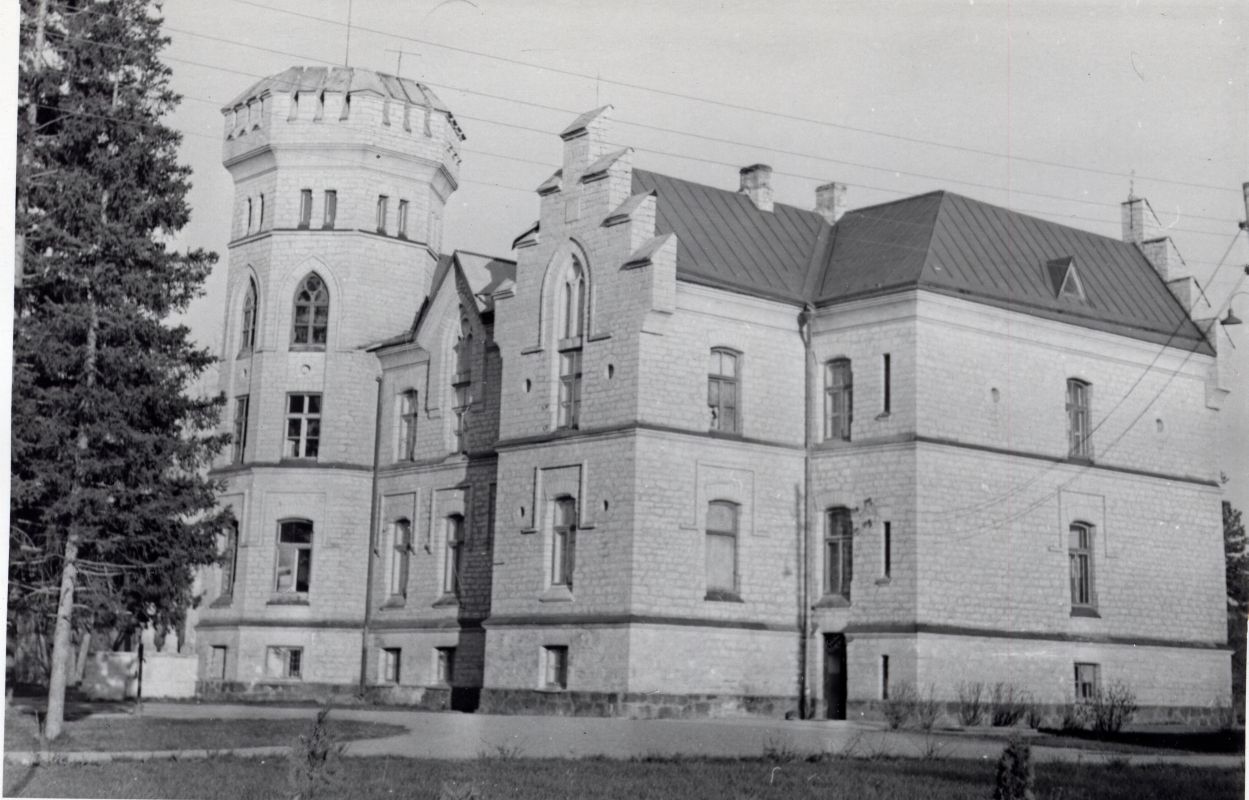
(1065, 280)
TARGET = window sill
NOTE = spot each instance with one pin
(1074, 459)
(288, 600)
(723, 596)
(224, 601)
(882, 416)
(307, 348)
(461, 378)
(446, 600)
(569, 343)
(395, 601)
(884, 581)
(556, 594)
(1085, 611)
(833, 601)
(298, 460)
(725, 434)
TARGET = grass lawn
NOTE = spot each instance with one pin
(687, 779)
(153, 733)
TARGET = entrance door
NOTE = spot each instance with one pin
(835, 675)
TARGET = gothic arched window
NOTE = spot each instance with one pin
(312, 312)
(248, 338)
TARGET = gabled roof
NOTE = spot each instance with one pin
(938, 241)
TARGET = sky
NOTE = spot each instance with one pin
(1056, 109)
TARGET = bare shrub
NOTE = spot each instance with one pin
(1074, 718)
(970, 703)
(1034, 717)
(1113, 707)
(780, 750)
(1008, 705)
(899, 706)
(927, 709)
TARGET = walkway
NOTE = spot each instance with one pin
(466, 736)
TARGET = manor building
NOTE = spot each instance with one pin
(693, 451)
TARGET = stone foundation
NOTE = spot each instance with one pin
(633, 705)
(1210, 716)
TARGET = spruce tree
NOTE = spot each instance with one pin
(112, 512)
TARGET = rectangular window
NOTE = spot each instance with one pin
(383, 204)
(563, 541)
(1080, 553)
(294, 572)
(884, 677)
(303, 425)
(249, 215)
(555, 668)
(305, 208)
(463, 400)
(1079, 430)
(454, 552)
(887, 387)
(722, 390)
(445, 667)
(569, 388)
(401, 539)
(389, 664)
(838, 553)
(721, 550)
(331, 208)
(217, 663)
(403, 219)
(229, 558)
(1088, 680)
(887, 554)
(285, 662)
(239, 444)
(407, 425)
(260, 222)
(838, 399)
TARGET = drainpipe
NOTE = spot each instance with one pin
(804, 330)
(372, 554)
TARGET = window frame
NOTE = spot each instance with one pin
(315, 299)
(720, 422)
(717, 592)
(444, 665)
(229, 561)
(383, 212)
(305, 209)
(1079, 419)
(302, 558)
(217, 668)
(409, 412)
(839, 537)
(570, 379)
(304, 417)
(887, 384)
(461, 405)
(401, 557)
(1093, 670)
(838, 390)
(247, 336)
(564, 521)
(1082, 567)
(555, 667)
(402, 222)
(249, 215)
(453, 555)
(238, 444)
(329, 216)
(292, 660)
(390, 665)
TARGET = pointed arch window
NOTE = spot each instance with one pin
(312, 313)
(248, 337)
(572, 311)
(572, 300)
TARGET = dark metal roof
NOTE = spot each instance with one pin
(939, 241)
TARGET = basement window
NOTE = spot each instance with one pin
(285, 662)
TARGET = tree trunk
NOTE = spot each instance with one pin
(61, 649)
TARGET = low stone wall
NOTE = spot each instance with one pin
(632, 705)
(438, 698)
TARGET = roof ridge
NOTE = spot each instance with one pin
(791, 206)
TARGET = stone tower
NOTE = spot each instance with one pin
(341, 176)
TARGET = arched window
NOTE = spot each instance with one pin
(464, 351)
(248, 334)
(312, 312)
(721, 550)
(723, 380)
(563, 541)
(294, 569)
(838, 399)
(401, 542)
(572, 300)
(838, 553)
(229, 558)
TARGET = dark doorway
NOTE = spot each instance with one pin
(835, 675)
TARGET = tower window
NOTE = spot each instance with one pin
(403, 219)
(331, 208)
(312, 313)
(294, 569)
(239, 443)
(248, 337)
(383, 206)
(305, 208)
(303, 425)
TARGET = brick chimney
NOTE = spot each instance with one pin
(1139, 222)
(830, 201)
(757, 185)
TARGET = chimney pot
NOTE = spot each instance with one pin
(756, 183)
(830, 201)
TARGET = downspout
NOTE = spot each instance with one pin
(804, 330)
(368, 586)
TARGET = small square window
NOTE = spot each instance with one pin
(445, 665)
(389, 664)
(555, 667)
(285, 662)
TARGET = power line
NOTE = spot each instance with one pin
(735, 106)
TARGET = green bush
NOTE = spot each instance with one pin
(970, 704)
